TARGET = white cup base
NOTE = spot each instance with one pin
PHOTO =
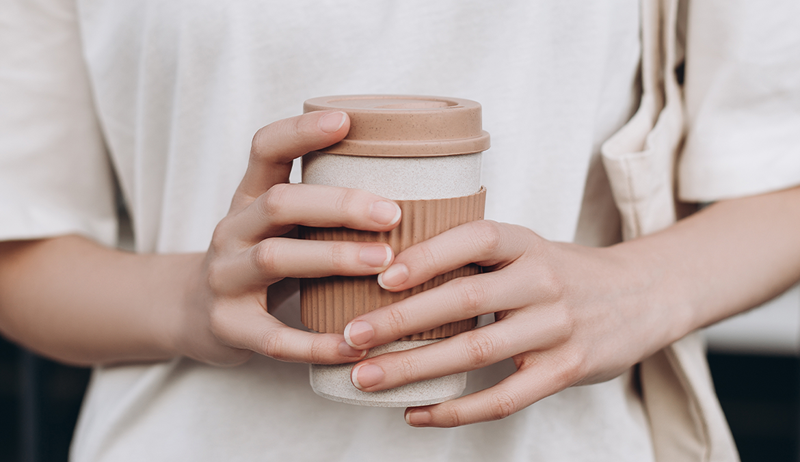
(333, 382)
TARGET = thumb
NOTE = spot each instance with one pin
(279, 143)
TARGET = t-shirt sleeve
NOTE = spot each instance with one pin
(55, 175)
(742, 93)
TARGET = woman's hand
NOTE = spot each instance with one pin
(226, 317)
(566, 314)
(76, 301)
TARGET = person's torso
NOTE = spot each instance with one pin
(180, 90)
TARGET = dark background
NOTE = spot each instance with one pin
(40, 400)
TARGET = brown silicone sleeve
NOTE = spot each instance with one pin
(328, 304)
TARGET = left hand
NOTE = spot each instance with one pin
(566, 314)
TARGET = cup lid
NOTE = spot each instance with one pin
(406, 125)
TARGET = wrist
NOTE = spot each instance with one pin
(659, 290)
(178, 278)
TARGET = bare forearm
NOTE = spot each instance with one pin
(727, 258)
(78, 302)
(75, 301)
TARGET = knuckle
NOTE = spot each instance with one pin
(503, 404)
(480, 348)
(427, 257)
(215, 278)
(407, 368)
(216, 321)
(287, 130)
(259, 141)
(396, 318)
(564, 324)
(316, 351)
(338, 255)
(222, 235)
(472, 295)
(301, 127)
(272, 202)
(487, 236)
(345, 201)
(265, 258)
(571, 369)
(271, 345)
(551, 285)
(454, 417)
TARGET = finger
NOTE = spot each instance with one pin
(462, 353)
(286, 205)
(484, 242)
(275, 146)
(258, 331)
(461, 298)
(278, 258)
(516, 392)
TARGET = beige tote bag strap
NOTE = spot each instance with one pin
(686, 420)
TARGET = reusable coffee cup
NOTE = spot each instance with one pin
(423, 152)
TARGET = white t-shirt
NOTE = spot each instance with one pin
(742, 99)
(164, 98)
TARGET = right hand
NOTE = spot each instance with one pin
(225, 311)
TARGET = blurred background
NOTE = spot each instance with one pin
(754, 359)
(755, 363)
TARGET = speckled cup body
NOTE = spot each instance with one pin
(398, 179)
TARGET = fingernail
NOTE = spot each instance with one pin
(393, 276)
(385, 213)
(366, 375)
(350, 352)
(418, 417)
(332, 122)
(375, 255)
(358, 333)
